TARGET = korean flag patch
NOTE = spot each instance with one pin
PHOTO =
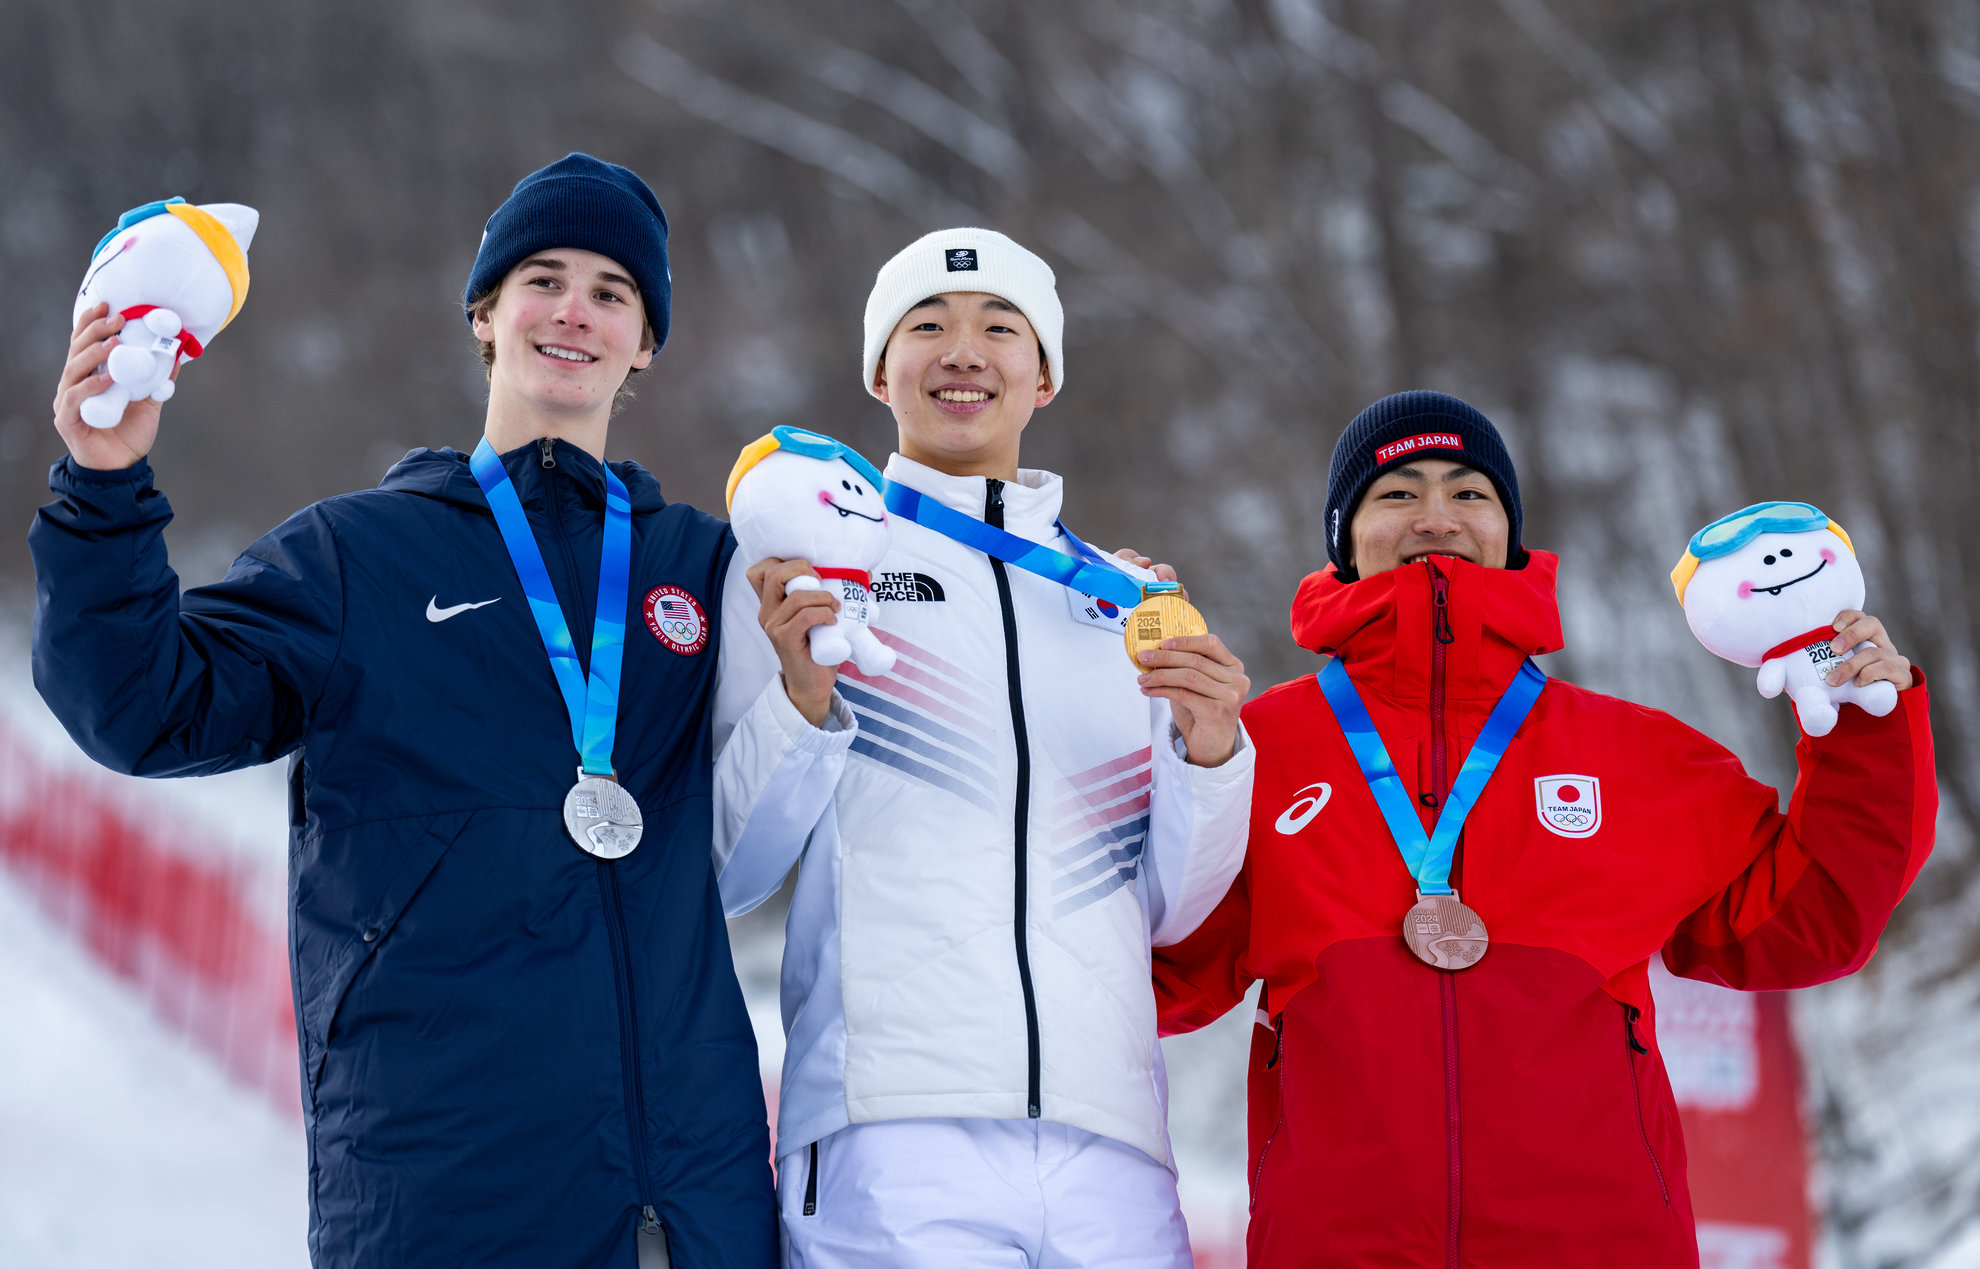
(1568, 805)
(1088, 610)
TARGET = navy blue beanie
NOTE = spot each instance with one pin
(1410, 425)
(582, 203)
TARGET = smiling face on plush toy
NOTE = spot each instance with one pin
(795, 507)
(1773, 588)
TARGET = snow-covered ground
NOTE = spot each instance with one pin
(120, 1142)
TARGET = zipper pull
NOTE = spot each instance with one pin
(649, 1221)
(993, 503)
(1440, 599)
(549, 462)
(1630, 1014)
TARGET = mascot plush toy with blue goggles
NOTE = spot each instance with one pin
(177, 274)
(1762, 587)
(797, 495)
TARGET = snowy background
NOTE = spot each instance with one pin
(1687, 253)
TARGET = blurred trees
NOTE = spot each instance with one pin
(1689, 255)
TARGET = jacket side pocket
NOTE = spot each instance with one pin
(1634, 1048)
(1277, 1066)
(348, 889)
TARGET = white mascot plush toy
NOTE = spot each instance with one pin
(179, 274)
(1762, 587)
(797, 495)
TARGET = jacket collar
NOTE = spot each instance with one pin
(1382, 626)
(443, 474)
(1031, 502)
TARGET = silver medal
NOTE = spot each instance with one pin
(601, 817)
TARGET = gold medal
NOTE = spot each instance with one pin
(1444, 933)
(1163, 613)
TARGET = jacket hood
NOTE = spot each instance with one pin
(1382, 626)
(444, 474)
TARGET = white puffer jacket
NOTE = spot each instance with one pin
(1008, 766)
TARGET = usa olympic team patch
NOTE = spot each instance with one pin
(676, 619)
(1570, 805)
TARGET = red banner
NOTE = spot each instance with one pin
(159, 909)
(1732, 1064)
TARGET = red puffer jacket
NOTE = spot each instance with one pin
(1515, 1113)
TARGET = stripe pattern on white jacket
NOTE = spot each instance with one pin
(905, 963)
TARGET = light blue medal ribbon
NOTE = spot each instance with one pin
(1428, 858)
(593, 705)
(1088, 577)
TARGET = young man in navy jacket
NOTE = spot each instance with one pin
(514, 1051)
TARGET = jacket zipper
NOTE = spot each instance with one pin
(615, 921)
(1440, 638)
(811, 1184)
(635, 1094)
(1447, 985)
(1278, 1055)
(993, 515)
(548, 460)
(1630, 1014)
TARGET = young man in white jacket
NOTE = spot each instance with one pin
(991, 835)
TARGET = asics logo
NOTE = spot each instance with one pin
(436, 613)
(1306, 805)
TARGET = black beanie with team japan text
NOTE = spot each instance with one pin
(1411, 425)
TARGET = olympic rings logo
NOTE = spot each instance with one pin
(676, 619)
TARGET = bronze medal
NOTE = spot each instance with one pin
(1444, 934)
(1163, 613)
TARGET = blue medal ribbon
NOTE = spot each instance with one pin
(1088, 577)
(593, 705)
(1428, 858)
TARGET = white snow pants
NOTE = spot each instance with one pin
(977, 1194)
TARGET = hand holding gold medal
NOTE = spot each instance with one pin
(1164, 613)
(1183, 663)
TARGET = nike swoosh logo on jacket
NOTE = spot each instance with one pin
(434, 613)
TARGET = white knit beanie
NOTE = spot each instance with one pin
(966, 260)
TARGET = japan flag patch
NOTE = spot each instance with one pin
(1569, 805)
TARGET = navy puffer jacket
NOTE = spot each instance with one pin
(510, 1050)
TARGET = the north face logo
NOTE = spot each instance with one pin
(1570, 805)
(907, 588)
(962, 260)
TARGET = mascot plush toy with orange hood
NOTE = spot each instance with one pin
(798, 495)
(179, 274)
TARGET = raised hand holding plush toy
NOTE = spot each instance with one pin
(1764, 587)
(798, 495)
(178, 274)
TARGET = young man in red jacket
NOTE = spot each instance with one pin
(1497, 1098)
